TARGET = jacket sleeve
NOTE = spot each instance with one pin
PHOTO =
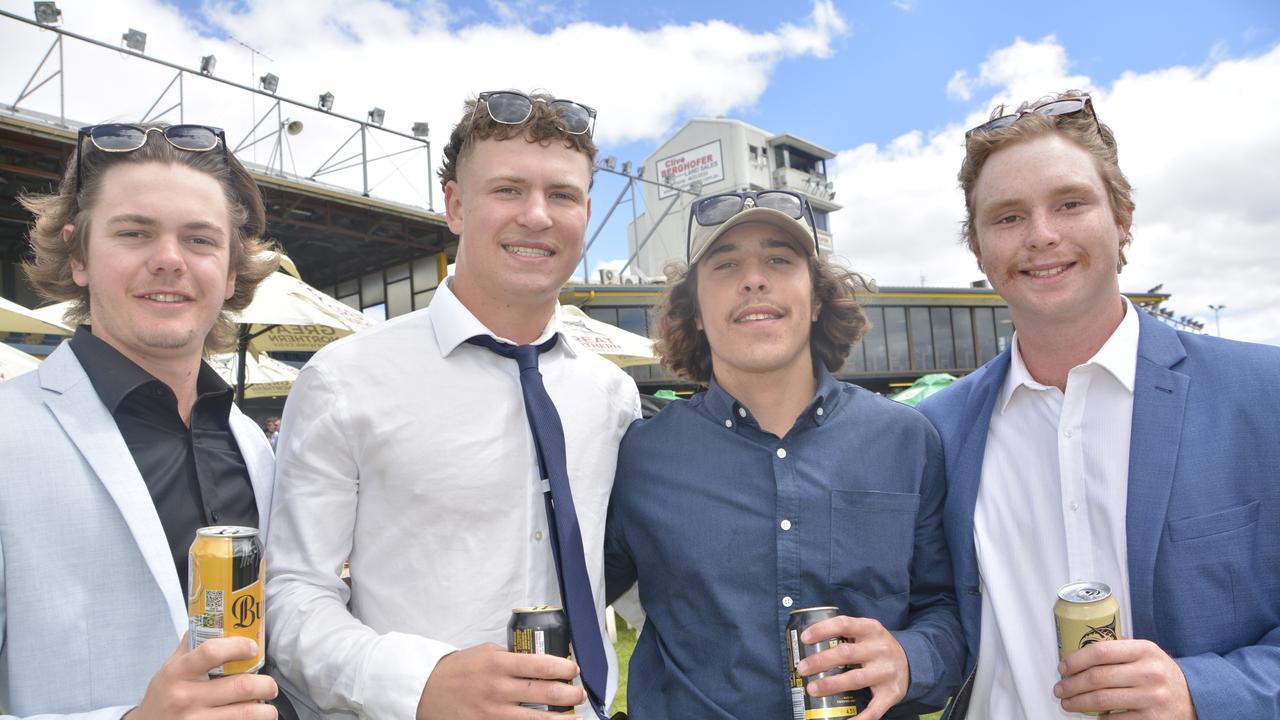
(313, 639)
(1244, 683)
(932, 639)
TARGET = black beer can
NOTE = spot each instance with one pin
(540, 630)
(803, 705)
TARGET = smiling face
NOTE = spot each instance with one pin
(756, 303)
(1046, 235)
(521, 211)
(157, 260)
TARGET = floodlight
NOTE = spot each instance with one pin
(326, 102)
(293, 127)
(47, 13)
(421, 129)
(269, 82)
(377, 115)
(611, 162)
(626, 168)
(207, 64)
(135, 40)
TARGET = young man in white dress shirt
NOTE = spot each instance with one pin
(1104, 446)
(407, 450)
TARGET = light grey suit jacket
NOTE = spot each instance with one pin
(90, 603)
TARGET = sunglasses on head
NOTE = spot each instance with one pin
(118, 138)
(717, 209)
(1052, 108)
(513, 108)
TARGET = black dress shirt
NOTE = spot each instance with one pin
(195, 474)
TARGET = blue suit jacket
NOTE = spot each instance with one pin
(1203, 514)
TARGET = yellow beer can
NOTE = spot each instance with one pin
(225, 578)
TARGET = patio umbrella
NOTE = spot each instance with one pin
(289, 315)
(18, 319)
(609, 341)
(923, 388)
(264, 376)
(14, 362)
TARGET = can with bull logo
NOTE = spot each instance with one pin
(224, 591)
(1086, 613)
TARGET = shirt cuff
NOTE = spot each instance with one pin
(922, 670)
(396, 672)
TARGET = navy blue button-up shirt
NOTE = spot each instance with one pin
(728, 529)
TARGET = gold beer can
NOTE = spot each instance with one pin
(1085, 613)
(225, 578)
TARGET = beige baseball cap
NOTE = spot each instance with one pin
(703, 237)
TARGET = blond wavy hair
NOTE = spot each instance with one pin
(49, 270)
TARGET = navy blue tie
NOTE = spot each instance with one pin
(566, 536)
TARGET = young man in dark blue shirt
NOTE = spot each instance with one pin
(779, 488)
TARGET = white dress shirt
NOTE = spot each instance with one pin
(1051, 510)
(407, 450)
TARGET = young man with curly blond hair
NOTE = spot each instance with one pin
(407, 448)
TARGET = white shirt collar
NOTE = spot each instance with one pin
(1118, 356)
(453, 323)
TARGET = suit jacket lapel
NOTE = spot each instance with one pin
(260, 461)
(1159, 401)
(962, 491)
(91, 428)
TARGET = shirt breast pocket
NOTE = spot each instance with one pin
(872, 538)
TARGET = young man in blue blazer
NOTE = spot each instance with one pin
(1103, 445)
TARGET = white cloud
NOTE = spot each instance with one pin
(959, 87)
(1198, 144)
(418, 63)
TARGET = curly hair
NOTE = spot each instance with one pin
(841, 322)
(1082, 129)
(543, 126)
(49, 270)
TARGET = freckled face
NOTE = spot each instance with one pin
(1046, 234)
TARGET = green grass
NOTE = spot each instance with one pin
(624, 647)
(627, 644)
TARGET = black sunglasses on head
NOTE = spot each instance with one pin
(513, 108)
(120, 138)
(717, 209)
(1053, 108)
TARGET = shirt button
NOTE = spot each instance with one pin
(1067, 433)
(215, 517)
(819, 411)
(787, 601)
(742, 412)
(785, 524)
(1075, 505)
(728, 423)
(537, 536)
(782, 452)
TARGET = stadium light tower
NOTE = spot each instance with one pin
(1216, 323)
(135, 40)
(47, 13)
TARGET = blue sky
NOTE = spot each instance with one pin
(887, 84)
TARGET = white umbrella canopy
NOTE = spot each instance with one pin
(613, 343)
(18, 319)
(14, 362)
(264, 376)
(289, 315)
